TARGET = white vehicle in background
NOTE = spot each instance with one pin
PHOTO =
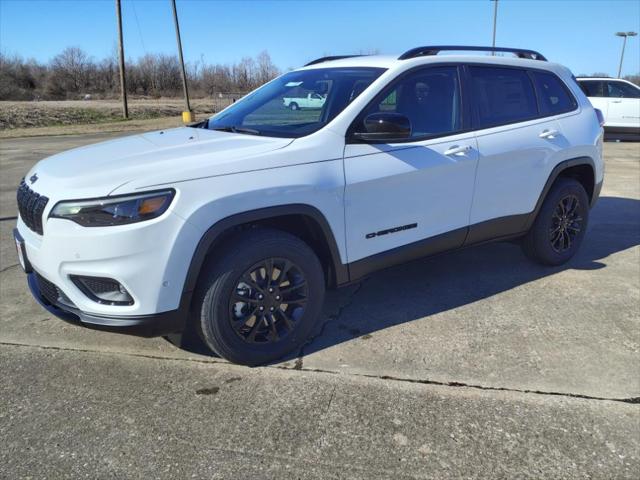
(312, 100)
(619, 101)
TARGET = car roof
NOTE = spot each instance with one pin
(603, 78)
(392, 62)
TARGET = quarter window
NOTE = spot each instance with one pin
(502, 95)
(553, 97)
(430, 98)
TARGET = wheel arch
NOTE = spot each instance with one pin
(582, 169)
(304, 221)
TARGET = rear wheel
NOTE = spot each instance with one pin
(260, 297)
(557, 233)
(294, 106)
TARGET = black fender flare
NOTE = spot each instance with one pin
(215, 232)
(553, 176)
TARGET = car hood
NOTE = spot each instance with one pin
(168, 155)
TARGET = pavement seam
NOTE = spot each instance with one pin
(9, 267)
(630, 400)
(6, 219)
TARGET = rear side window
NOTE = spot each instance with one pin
(502, 95)
(553, 96)
(592, 88)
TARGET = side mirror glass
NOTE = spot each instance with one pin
(385, 127)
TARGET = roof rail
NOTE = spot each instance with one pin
(328, 59)
(434, 50)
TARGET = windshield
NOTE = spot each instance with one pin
(295, 104)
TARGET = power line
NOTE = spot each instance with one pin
(135, 14)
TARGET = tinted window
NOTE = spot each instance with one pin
(502, 95)
(553, 97)
(430, 98)
(592, 88)
(622, 90)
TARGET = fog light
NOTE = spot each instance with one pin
(103, 290)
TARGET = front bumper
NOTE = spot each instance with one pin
(140, 325)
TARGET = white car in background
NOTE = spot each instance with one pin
(619, 101)
(312, 100)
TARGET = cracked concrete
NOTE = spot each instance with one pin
(328, 318)
(477, 364)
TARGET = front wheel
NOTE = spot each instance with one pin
(559, 228)
(260, 297)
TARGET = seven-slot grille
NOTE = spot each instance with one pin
(31, 206)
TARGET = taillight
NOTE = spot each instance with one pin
(600, 116)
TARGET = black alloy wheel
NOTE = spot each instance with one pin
(268, 301)
(566, 224)
(560, 225)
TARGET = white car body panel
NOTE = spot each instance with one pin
(397, 185)
(358, 188)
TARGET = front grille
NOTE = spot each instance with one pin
(31, 205)
(51, 292)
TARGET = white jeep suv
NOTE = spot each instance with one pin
(235, 226)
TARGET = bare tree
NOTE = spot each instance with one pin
(73, 72)
(71, 69)
(267, 71)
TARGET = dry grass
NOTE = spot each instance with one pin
(27, 115)
(105, 127)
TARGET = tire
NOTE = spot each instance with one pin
(294, 106)
(560, 226)
(234, 286)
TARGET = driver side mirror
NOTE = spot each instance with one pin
(385, 127)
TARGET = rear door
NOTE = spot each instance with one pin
(518, 146)
(624, 104)
(403, 192)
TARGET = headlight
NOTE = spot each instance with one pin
(120, 210)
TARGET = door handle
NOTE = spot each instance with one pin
(616, 101)
(457, 150)
(548, 133)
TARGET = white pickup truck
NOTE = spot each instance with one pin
(312, 100)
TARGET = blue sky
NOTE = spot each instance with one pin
(579, 34)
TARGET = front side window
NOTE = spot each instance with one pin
(622, 90)
(297, 103)
(502, 96)
(429, 98)
(553, 97)
(592, 88)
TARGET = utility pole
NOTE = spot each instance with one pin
(123, 85)
(624, 44)
(187, 116)
(495, 21)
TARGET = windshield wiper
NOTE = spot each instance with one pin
(232, 129)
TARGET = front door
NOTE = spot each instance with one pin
(405, 192)
(624, 104)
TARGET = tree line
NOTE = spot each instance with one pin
(73, 74)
